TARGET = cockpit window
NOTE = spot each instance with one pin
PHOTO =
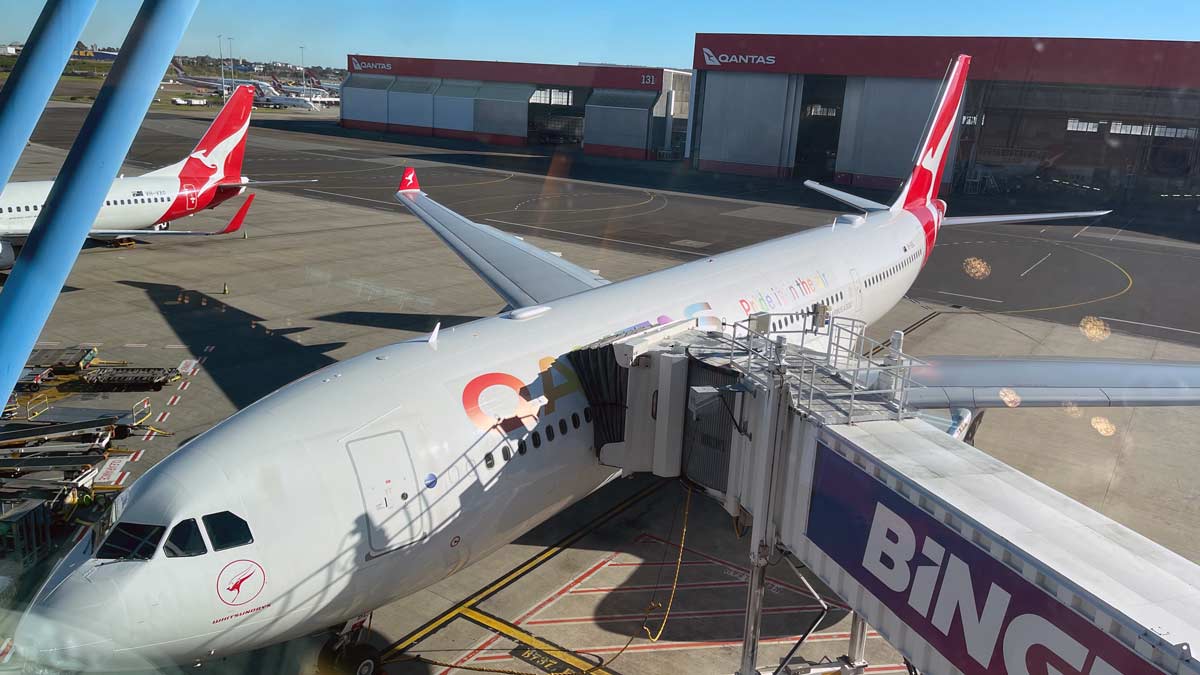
(226, 530)
(131, 541)
(185, 540)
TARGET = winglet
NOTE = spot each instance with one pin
(434, 335)
(408, 182)
(236, 224)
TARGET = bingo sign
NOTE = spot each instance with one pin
(983, 617)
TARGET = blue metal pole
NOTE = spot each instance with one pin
(24, 95)
(87, 174)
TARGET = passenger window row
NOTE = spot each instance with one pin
(107, 202)
(535, 438)
(792, 318)
(137, 541)
(893, 270)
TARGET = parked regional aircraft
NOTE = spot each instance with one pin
(146, 205)
(434, 452)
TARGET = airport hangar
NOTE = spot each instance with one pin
(1077, 121)
(628, 110)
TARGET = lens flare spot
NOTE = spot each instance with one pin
(1103, 426)
(1010, 397)
(977, 268)
(1094, 328)
(1072, 410)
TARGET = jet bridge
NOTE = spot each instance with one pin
(964, 564)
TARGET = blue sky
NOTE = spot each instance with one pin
(617, 31)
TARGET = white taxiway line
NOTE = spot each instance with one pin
(592, 236)
(532, 227)
(973, 297)
(1151, 325)
(1035, 265)
(1085, 227)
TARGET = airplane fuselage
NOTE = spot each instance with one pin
(375, 477)
(140, 202)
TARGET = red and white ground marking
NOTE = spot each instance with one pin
(162, 416)
(174, 400)
(664, 646)
(194, 371)
(187, 364)
(149, 435)
(136, 456)
(208, 349)
(6, 650)
(693, 558)
(111, 470)
(121, 478)
(201, 360)
(184, 385)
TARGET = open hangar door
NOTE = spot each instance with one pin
(617, 123)
(556, 115)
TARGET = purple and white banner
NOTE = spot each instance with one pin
(982, 616)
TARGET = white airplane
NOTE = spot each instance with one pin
(146, 205)
(378, 476)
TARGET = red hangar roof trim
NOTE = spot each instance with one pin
(607, 77)
(1127, 63)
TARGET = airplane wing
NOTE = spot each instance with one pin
(520, 273)
(860, 203)
(1021, 217)
(985, 382)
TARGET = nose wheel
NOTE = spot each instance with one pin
(346, 654)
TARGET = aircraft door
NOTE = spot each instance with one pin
(856, 294)
(388, 482)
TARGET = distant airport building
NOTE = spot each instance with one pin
(615, 111)
(1076, 120)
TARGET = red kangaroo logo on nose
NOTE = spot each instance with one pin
(236, 586)
(240, 582)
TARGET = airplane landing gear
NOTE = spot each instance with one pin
(346, 654)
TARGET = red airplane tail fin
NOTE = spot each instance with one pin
(920, 191)
(219, 153)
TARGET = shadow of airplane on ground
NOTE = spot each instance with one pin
(251, 360)
(419, 323)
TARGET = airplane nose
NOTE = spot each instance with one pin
(70, 626)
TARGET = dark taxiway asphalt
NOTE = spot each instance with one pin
(1115, 268)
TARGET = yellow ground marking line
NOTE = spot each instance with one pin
(512, 632)
(438, 622)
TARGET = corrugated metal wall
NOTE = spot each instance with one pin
(618, 117)
(454, 105)
(882, 121)
(750, 119)
(502, 108)
(410, 102)
(365, 98)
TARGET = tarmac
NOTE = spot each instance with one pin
(335, 269)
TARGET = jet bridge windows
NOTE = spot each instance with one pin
(225, 530)
(185, 540)
(131, 541)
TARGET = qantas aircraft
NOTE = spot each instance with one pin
(375, 477)
(145, 206)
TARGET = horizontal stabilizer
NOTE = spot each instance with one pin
(260, 183)
(1021, 217)
(860, 203)
(1039, 382)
